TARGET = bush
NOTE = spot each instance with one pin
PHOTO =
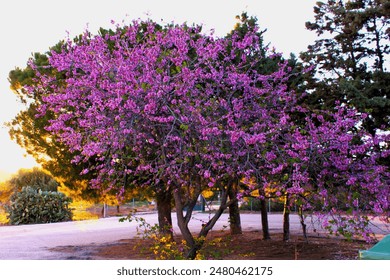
(35, 178)
(31, 206)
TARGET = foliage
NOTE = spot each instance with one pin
(30, 133)
(34, 178)
(351, 58)
(3, 217)
(31, 206)
(5, 192)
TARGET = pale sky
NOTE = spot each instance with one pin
(34, 26)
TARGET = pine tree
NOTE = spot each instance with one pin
(351, 58)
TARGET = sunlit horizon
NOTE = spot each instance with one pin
(10, 152)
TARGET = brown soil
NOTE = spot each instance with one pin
(223, 246)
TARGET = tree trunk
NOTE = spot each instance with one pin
(302, 220)
(234, 212)
(182, 222)
(104, 211)
(264, 219)
(191, 255)
(195, 244)
(286, 219)
(164, 211)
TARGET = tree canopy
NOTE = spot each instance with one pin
(351, 58)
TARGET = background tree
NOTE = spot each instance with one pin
(5, 193)
(29, 131)
(34, 178)
(351, 58)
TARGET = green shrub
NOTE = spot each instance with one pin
(31, 206)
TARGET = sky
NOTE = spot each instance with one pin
(34, 26)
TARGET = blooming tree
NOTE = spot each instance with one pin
(330, 167)
(179, 111)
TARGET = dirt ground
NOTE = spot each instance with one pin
(223, 246)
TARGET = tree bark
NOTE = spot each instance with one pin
(286, 219)
(302, 220)
(234, 212)
(182, 221)
(264, 219)
(164, 211)
(104, 211)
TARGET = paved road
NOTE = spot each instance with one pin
(33, 242)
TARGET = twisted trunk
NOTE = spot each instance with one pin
(195, 244)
